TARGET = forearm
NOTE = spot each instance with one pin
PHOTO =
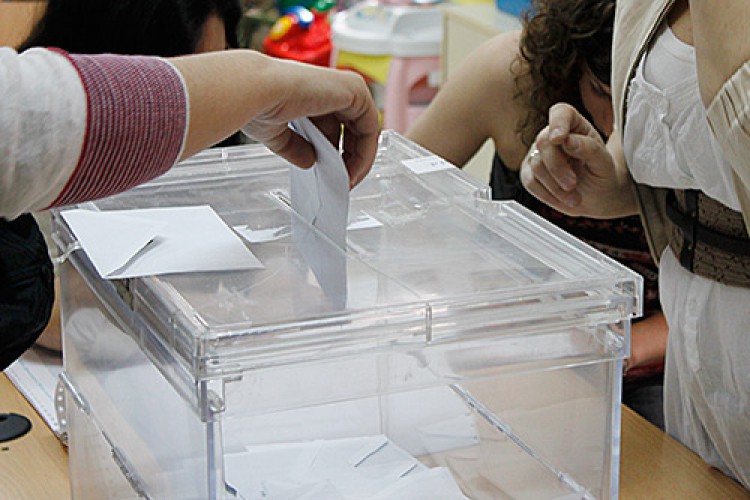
(648, 340)
(76, 128)
(226, 90)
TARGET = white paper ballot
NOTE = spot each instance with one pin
(362, 220)
(264, 235)
(353, 468)
(145, 242)
(320, 194)
(423, 485)
(357, 220)
(35, 375)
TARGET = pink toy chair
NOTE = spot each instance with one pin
(407, 90)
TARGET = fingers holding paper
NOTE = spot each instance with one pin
(340, 105)
(233, 89)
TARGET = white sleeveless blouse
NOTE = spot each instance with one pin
(667, 140)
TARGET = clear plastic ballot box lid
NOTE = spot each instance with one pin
(429, 259)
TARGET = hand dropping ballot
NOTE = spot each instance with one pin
(152, 241)
(320, 194)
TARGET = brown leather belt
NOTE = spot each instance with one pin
(708, 238)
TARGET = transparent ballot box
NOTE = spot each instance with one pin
(456, 348)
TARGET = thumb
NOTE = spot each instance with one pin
(564, 120)
(591, 151)
(580, 140)
(283, 141)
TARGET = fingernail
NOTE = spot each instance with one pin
(555, 133)
(574, 144)
(568, 182)
(572, 200)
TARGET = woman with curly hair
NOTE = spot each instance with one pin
(503, 91)
(680, 158)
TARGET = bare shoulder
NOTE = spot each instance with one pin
(476, 103)
(489, 72)
(496, 57)
(503, 84)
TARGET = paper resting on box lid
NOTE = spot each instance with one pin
(150, 241)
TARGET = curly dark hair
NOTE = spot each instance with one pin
(559, 38)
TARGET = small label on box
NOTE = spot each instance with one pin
(427, 164)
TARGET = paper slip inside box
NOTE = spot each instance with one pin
(150, 241)
(372, 467)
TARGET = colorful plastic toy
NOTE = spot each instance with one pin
(302, 33)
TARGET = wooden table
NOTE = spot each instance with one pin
(653, 465)
(34, 466)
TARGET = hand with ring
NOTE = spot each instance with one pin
(533, 152)
(570, 169)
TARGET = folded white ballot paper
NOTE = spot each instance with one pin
(371, 467)
(150, 241)
(320, 194)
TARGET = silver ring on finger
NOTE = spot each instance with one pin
(534, 153)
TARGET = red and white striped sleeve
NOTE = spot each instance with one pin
(75, 128)
(135, 126)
